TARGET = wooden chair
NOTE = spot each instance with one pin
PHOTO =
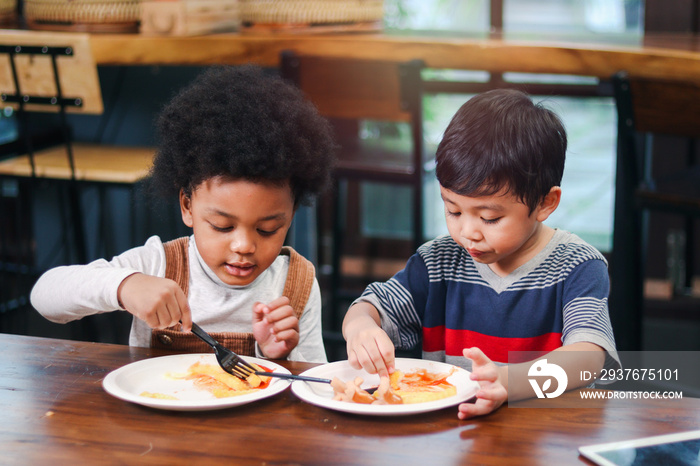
(648, 107)
(52, 73)
(347, 91)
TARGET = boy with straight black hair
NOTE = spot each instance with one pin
(502, 281)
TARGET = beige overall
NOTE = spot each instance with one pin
(300, 279)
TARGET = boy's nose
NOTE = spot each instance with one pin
(470, 231)
(242, 243)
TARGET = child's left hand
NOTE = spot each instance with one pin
(275, 328)
(492, 393)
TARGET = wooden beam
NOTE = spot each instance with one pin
(666, 56)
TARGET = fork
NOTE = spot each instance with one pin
(239, 367)
(246, 371)
(228, 360)
(236, 365)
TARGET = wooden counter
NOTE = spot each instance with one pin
(659, 56)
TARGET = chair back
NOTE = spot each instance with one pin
(348, 91)
(350, 88)
(27, 72)
(661, 106)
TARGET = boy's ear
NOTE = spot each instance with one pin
(186, 208)
(549, 204)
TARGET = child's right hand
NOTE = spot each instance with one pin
(369, 347)
(160, 302)
(371, 350)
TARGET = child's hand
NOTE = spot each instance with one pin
(159, 302)
(492, 393)
(275, 328)
(370, 348)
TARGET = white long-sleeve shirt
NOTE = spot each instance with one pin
(68, 293)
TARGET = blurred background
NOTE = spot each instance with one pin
(133, 95)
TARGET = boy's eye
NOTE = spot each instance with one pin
(453, 214)
(221, 229)
(268, 232)
(491, 221)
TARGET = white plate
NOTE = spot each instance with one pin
(155, 375)
(320, 394)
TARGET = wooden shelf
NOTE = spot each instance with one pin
(659, 55)
(656, 55)
(669, 56)
(94, 163)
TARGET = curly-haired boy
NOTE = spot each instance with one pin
(242, 149)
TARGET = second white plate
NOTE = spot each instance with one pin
(322, 394)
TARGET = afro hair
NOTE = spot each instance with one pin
(242, 123)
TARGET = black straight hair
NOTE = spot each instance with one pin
(501, 139)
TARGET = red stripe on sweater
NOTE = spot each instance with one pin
(496, 348)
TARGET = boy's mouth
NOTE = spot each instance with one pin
(240, 269)
(475, 253)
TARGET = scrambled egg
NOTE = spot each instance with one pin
(158, 396)
(220, 383)
(421, 386)
(212, 378)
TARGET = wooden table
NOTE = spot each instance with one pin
(54, 411)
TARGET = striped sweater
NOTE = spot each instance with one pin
(447, 301)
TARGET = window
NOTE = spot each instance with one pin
(588, 185)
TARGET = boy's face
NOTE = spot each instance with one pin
(499, 229)
(239, 226)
